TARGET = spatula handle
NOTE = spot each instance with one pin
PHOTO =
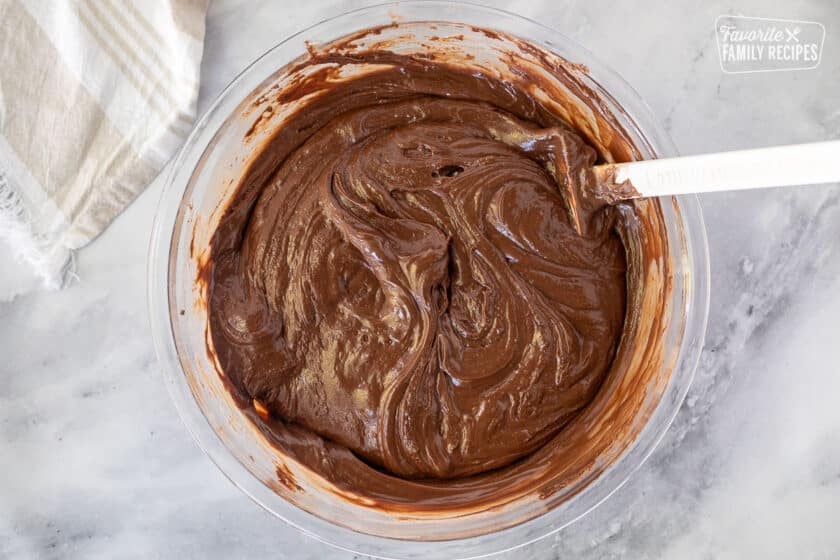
(797, 164)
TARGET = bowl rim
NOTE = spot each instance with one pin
(696, 308)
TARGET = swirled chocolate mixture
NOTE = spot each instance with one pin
(411, 288)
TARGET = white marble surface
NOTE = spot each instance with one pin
(96, 464)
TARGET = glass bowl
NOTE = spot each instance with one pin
(201, 179)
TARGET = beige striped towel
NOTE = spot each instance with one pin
(95, 97)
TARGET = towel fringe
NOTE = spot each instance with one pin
(49, 258)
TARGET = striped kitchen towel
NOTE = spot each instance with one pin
(95, 97)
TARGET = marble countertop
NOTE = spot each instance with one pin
(96, 463)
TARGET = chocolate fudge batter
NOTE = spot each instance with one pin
(413, 291)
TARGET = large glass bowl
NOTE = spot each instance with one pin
(200, 181)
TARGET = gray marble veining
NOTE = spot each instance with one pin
(96, 463)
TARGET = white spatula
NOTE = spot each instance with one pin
(797, 164)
